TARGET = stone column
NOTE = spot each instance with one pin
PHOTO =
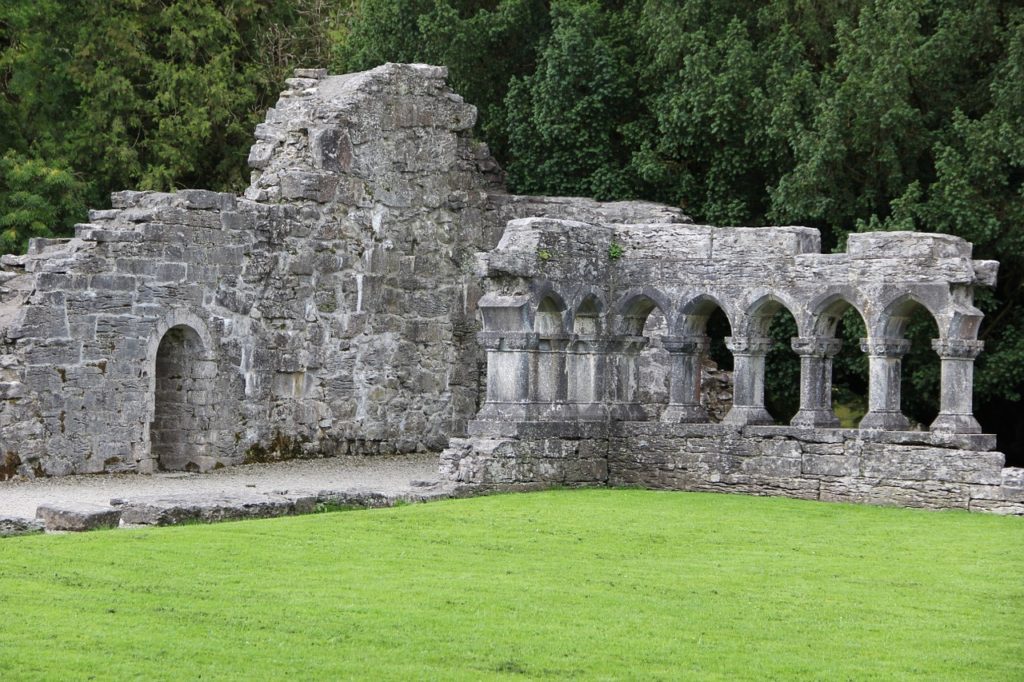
(748, 353)
(548, 379)
(956, 411)
(685, 353)
(585, 369)
(884, 357)
(508, 374)
(816, 353)
(624, 377)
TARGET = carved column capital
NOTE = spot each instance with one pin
(685, 345)
(816, 346)
(508, 340)
(748, 345)
(489, 340)
(885, 347)
(629, 344)
(957, 348)
(554, 342)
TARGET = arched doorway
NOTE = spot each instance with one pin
(183, 383)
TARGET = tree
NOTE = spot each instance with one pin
(140, 93)
(567, 121)
(36, 200)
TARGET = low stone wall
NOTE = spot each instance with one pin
(910, 469)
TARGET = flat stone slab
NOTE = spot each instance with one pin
(78, 516)
(169, 510)
(364, 499)
(12, 525)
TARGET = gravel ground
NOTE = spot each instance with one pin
(366, 474)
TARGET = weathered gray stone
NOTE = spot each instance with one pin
(338, 308)
(173, 510)
(78, 516)
(11, 526)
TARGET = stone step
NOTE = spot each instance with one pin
(78, 516)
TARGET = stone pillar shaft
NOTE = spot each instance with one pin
(624, 381)
(956, 411)
(748, 380)
(816, 355)
(509, 389)
(587, 369)
(884, 363)
(685, 355)
(548, 379)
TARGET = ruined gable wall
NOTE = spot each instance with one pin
(334, 299)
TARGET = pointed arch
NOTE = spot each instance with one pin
(826, 311)
(586, 319)
(892, 322)
(548, 318)
(695, 311)
(635, 307)
(758, 314)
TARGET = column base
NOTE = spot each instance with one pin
(819, 418)
(627, 412)
(502, 411)
(748, 415)
(684, 414)
(887, 420)
(955, 423)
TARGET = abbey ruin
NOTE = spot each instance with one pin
(376, 290)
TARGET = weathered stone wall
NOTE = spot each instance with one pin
(596, 336)
(840, 465)
(334, 308)
(330, 310)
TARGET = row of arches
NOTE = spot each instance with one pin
(752, 315)
(611, 355)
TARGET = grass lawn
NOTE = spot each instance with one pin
(606, 584)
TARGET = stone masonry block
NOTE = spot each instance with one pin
(78, 516)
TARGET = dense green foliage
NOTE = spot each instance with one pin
(597, 584)
(844, 115)
(139, 93)
(850, 115)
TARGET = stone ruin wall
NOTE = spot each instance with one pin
(564, 316)
(330, 310)
(334, 309)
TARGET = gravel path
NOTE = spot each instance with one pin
(365, 474)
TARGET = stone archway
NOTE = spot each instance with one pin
(182, 398)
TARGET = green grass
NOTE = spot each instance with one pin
(606, 584)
